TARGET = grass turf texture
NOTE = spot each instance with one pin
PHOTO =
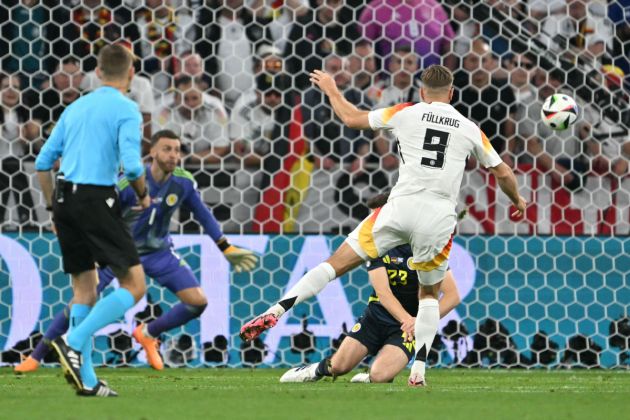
(257, 394)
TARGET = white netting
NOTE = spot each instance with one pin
(270, 158)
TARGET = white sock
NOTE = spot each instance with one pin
(427, 322)
(309, 285)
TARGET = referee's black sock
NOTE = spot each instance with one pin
(323, 369)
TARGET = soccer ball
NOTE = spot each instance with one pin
(559, 111)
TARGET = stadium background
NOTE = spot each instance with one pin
(285, 179)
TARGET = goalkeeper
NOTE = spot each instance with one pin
(170, 186)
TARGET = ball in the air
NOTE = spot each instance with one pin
(559, 111)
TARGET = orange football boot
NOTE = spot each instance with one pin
(28, 365)
(151, 346)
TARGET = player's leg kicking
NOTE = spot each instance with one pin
(427, 225)
(359, 246)
(343, 260)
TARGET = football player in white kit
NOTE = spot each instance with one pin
(434, 142)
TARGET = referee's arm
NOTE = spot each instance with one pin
(129, 137)
(48, 155)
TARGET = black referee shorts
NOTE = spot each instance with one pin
(90, 229)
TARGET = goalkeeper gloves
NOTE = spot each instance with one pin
(241, 259)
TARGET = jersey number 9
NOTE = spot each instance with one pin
(435, 141)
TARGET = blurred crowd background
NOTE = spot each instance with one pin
(231, 78)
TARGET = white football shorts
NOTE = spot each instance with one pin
(423, 220)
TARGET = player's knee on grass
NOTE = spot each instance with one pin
(340, 365)
(379, 376)
(340, 368)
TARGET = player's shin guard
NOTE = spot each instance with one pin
(309, 285)
(427, 323)
(179, 315)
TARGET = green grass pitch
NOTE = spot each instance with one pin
(257, 394)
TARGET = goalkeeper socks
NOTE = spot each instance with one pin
(59, 325)
(427, 323)
(309, 285)
(78, 315)
(41, 350)
(106, 311)
(57, 328)
(179, 315)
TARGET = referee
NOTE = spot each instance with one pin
(94, 136)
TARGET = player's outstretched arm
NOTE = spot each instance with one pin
(347, 112)
(241, 259)
(507, 181)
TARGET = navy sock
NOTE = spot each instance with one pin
(179, 315)
(57, 328)
(41, 350)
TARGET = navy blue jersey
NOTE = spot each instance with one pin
(402, 280)
(150, 227)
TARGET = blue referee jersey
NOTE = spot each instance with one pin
(94, 136)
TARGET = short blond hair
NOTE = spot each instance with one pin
(437, 77)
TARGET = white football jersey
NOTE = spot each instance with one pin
(434, 141)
